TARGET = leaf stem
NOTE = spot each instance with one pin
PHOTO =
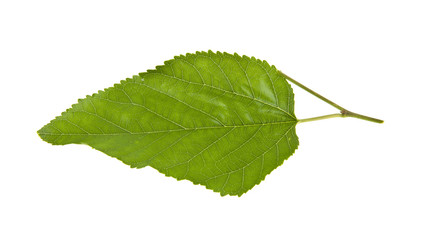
(347, 113)
(344, 112)
(320, 118)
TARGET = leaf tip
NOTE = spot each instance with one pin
(48, 134)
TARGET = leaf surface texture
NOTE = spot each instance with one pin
(216, 119)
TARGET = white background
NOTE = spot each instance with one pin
(349, 179)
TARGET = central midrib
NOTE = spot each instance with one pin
(171, 130)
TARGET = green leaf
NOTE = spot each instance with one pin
(216, 119)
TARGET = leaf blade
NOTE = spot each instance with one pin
(189, 119)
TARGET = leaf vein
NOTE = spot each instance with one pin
(192, 107)
(223, 90)
(261, 155)
(146, 108)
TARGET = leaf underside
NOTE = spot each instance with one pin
(216, 119)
